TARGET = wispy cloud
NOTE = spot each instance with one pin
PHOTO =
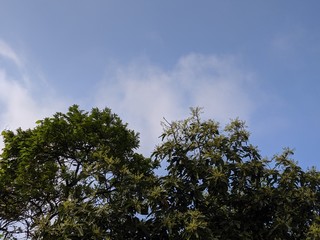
(143, 93)
(7, 52)
(19, 105)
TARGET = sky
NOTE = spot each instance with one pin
(149, 60)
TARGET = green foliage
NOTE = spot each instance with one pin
(74, 176)
(77, 176)
(219, 187)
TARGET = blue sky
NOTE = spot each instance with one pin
(256, 60)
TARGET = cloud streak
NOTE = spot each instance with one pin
(7, 52)
(143, 93)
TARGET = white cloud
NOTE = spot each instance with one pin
(19, 106)
(143, 93)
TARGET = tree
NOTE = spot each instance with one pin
(77, 176)
(219, 187)
(74, 176)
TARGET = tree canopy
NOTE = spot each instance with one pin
(74, 175)
(77, 175)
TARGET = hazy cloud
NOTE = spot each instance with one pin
(19, 106)
(290, 43)
(143, 93)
